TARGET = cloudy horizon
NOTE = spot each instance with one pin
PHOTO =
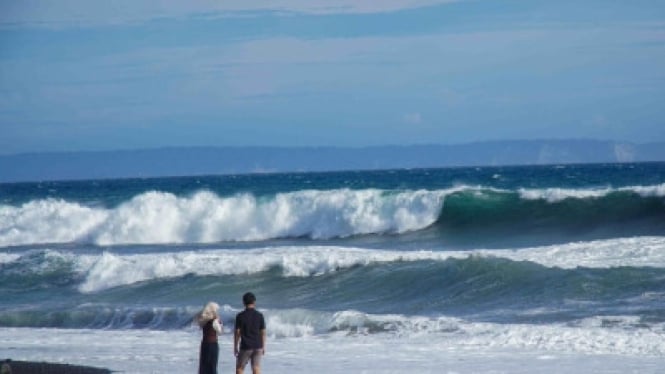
(79, 75)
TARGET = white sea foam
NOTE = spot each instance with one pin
(553, 195)
(204, 217)
(47, 221)
(566, 338)
(597, 335)
(8, 257)
(459, 346)
(648, 191)
(113, 269)
(637, 251)
(157, 218)
(591, 335)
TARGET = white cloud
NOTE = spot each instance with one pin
(83, 13)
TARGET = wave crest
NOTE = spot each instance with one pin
(159, 218)
(204, 217)
(107, 270)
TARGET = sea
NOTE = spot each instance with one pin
(520, 269)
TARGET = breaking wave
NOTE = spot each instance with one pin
(96, 272)
(204, 217)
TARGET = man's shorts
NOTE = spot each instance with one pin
(244, 356)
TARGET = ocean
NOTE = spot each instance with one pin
(523, 269)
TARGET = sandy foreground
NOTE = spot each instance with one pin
(30, 367)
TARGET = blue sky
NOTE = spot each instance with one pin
(99, 75)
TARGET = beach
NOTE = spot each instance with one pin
(160, 352)
(34, 367)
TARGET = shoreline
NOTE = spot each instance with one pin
(176, 351)
(24, 367)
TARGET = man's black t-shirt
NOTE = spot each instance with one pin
(250, 323)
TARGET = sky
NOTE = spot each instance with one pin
(126, 74)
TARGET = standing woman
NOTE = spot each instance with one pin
(208, 320)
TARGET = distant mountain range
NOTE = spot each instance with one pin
(240, 160)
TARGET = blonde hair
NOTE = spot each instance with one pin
(209, 312)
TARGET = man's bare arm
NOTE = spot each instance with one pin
(263, 340)
(236, 340)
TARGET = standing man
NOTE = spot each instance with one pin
(250, 332)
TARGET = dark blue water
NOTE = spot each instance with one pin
(111, 193)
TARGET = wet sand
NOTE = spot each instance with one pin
(28, 367)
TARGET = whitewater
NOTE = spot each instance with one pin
(484, 270)
(109, 269)
(160, 218)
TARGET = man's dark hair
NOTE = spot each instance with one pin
(248, 298)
